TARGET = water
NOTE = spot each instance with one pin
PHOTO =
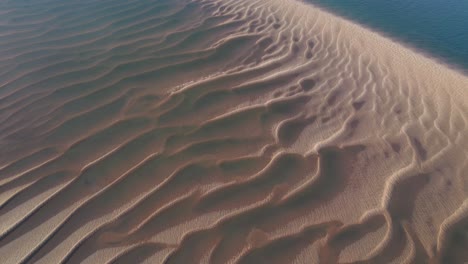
(435, 26)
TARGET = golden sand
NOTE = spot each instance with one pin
(224, 131)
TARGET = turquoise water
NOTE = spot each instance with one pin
(438, 27)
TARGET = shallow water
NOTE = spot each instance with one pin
(438, 27)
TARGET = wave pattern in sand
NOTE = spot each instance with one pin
(213, 131)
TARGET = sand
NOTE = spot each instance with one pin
(224, 131)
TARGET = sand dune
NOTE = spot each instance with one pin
(224, 131)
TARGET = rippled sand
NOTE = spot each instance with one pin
(224, 131)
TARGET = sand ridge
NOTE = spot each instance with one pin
(222, 131)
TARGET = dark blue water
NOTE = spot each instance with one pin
(439, 27)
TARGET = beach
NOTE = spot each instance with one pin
(224, 131)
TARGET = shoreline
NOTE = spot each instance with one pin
(439, 59)
(385, 47)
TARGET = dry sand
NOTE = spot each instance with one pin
(212, 131)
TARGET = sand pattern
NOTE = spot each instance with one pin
(224, 131)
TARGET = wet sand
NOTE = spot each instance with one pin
(222, 131)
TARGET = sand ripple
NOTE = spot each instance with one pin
(224, 131)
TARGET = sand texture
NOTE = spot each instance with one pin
(224, 131)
